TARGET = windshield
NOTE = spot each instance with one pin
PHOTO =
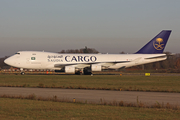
(17, 53)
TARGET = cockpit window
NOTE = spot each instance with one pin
(17, 53)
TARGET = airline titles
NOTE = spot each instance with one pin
(68, 58)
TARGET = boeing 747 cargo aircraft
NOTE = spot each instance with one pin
(86, 63)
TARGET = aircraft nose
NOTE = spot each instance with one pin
(8, 61)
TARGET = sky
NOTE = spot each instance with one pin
(109, 26)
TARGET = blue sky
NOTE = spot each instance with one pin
(109, 26)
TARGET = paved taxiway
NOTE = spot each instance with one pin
(96, 95)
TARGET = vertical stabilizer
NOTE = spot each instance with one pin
(157, 44)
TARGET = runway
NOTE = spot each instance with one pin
(96, 96)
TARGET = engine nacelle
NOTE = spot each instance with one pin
(96, 67)
(70, 69)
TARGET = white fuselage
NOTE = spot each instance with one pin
(55, 61)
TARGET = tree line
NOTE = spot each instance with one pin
(82, 50)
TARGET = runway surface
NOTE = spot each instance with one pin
(97, 95)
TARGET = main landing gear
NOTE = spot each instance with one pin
(84, 72)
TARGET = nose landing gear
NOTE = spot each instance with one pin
(22, 72)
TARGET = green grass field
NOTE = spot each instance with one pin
(33, 109)
(108, 82)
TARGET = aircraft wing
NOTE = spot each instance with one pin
(83, 65)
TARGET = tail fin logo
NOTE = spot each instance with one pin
(158, 44)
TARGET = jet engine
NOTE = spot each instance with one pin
(96, 67)
(70, 69)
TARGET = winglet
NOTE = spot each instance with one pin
(157, 44)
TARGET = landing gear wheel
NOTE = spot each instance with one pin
(79, 73)
(22, 73)
(87, 72)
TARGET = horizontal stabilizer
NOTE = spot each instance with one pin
(163, 56)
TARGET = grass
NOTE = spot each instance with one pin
(99, 82)
(139, 104)
(38, 109)
(34, 109)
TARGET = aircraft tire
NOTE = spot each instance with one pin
(22, 73)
